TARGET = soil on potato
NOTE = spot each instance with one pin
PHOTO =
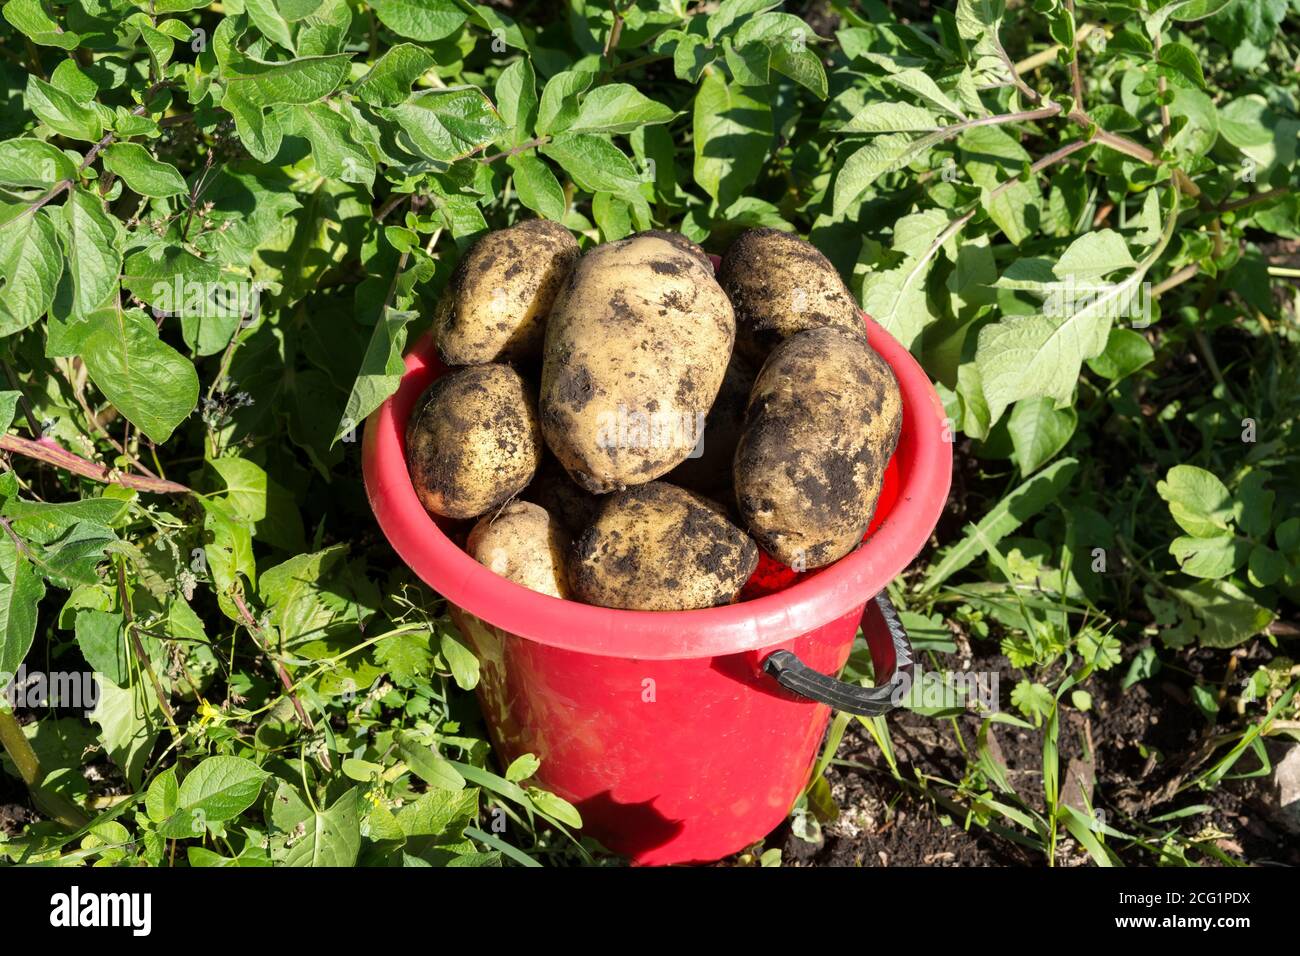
(1144, 740)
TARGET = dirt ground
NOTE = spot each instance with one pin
(883, 824)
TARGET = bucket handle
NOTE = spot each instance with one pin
(891, 656)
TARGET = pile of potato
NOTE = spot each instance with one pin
(630, 428)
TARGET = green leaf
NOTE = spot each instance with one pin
(733, 131)
(1188, 10)
(219, 789)
(388, 82)
(1215, 557)
(559, 103)
(270, 22)
(21, 590)
(778, 41)
(407, 657)
(522, 768)
(439, 815)
(896, 298)
(298, 595)
(420, 19)
(148, 381)
(1198, 500)
(1021, 504)
(1126, 351)
(1266, 566)
(447, 125)
(537, 187)
(922, 85)
(594, 163)
(381, 370)
(30, 18)
(516, 97)
(144, 174)
(1183, 61)
(93, 237)
(44, 522)
(128, 718)
(73, 558)
(882, 155)
(463, 663)
(1221, 614)
(618, 108)
(1039, 430)
(30, 266)
(174, 280)
(337, 146)
(557, 807)
(729, 12)
(8, 408)
(259, 132)
(99, 636)
(427, 764)
(245, 487)
(304, 80)
(33, 164)
(1094, 255)
(329, 839)
(160, 798)
(61, 112)
(891, 118)
(1253, 507)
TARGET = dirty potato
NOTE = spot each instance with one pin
(678, 240)
(822, 422)
(495, 307)
(636, 348)
(779, 285)
(524, 544)
(473, 441)
(710, 472)
(657, 547)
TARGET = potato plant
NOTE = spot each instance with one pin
(222, 224)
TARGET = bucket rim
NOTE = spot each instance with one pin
(837, 590)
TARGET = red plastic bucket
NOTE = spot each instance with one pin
(673, 732)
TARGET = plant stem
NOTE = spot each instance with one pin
(15, 743)
(1043, 57)
(1178, 278)
(19, 748)
(1076, 77)
(522, 147)
(1256, 198)
(145, 664)
(48, 451)
(255, 631)
(391, 203)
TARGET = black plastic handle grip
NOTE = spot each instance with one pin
(892, 659)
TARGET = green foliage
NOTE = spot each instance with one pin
(221, 225)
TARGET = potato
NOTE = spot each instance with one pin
(779, 285)
(657, 547)
(710, 473)
(473, 441)
(560, 495)
(495, 307)
(678, 240)
(524, 544)
(636, 348)
(823, 419)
